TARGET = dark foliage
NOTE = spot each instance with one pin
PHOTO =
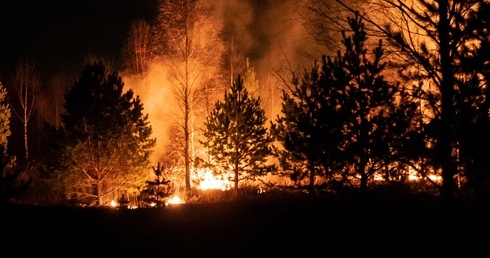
(156, 190)
(107, 142)
(343, 120)
(236, 136)
(473, 106)
(13, 182)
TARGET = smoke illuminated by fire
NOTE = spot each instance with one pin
(268, 33)
(159, 103)
(271, 34)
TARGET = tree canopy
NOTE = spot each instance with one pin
(342, 120)
(236, 136)
(108, 138)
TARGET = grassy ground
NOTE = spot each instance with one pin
(299, 228)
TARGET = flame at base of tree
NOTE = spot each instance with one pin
(174, 200)
(210, 181)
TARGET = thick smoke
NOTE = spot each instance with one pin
(270, 33)
(159, 103)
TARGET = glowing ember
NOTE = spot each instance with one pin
(174, 200)
(211, 182)
(113, 203)
(416, 177)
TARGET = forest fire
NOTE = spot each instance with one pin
(167, 106)
(328, 126)
(174, 200)
(209, 181)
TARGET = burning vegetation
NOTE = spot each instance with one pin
(207, 103)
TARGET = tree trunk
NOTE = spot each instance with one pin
(187, 103)
(237, 171)
(447, 93)
(311, 184)
(364, 182)
(99, 192)
(186, 145)
(26, 118)
(26, 144)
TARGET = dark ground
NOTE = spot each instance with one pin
(250, 229)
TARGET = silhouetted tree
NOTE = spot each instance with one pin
(236, 136)
(139, 51)
(473, 104)
(108, 142)
(344, 119)
(445, 24)
(158, 189)
(376, 115)
(428, 37)
(309, 126)
(325, 20)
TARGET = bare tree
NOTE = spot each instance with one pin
(26, 86)
(191, 45)
(325, 20)
(233, 60)
(139, 51)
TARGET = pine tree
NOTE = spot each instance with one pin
(429, 37)
(309, 127)
(108, 138)
(377, 119)
(249, 79)
(158, 189)
(236, 136)
(343, 120)
(473, 105)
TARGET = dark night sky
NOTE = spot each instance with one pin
(58, 34)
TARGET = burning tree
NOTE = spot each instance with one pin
(108, 142)
(190, 44)
(236, 136)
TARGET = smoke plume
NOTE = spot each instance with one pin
(270, 33)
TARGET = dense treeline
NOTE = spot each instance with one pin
(393, 110)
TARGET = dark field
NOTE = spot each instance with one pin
(300, 228)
